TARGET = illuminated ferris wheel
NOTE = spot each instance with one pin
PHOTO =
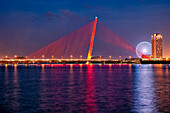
(143, 48)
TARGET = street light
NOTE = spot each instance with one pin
(110, 57)
(71, 56)
(120, 57)
(6, 57)
(80, 56)
(100, 57)
(43, 56)
(130, 57)
(15, 56)
(26, 57)
(52, 57)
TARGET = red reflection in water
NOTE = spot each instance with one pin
(42, 65)
(57, 65)
(130, 68)
(15, 68)
(110, 69)
(6, 67)
(71, 71)
(81, 70)
(90, 91)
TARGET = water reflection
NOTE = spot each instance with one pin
(43, 89)
(91, 106)
(130, 68)
(144, 90)
(71, 89)
(15, 102)
(71, 71)
(81, 68)
(85, 88)
(6, 75)
(162, 87)
(6, 84)
(42, 68)
(110, 69)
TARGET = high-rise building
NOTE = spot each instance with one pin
(157, 48)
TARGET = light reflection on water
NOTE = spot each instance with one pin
(85, 88)
(144, 91)
(90, 96)
(15, 94)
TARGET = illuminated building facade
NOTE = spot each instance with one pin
(157, 48)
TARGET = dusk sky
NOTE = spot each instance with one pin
(26, 26)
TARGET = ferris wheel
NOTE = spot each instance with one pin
(143, 48)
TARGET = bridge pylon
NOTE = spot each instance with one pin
(92, 40)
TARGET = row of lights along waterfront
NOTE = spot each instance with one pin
(71, 57)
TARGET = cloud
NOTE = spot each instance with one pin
(64, 15)
(52, 16)
(72, 16)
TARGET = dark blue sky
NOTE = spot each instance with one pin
(26, 26)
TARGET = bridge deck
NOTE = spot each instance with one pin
(63, 61)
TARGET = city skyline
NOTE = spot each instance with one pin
(26, 28)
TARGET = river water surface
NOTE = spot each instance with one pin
(76, 88)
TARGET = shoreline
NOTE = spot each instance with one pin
(80, 61)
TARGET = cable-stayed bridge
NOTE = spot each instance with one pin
(77, 47)
(80, 43)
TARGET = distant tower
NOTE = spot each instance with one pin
(157, 49)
